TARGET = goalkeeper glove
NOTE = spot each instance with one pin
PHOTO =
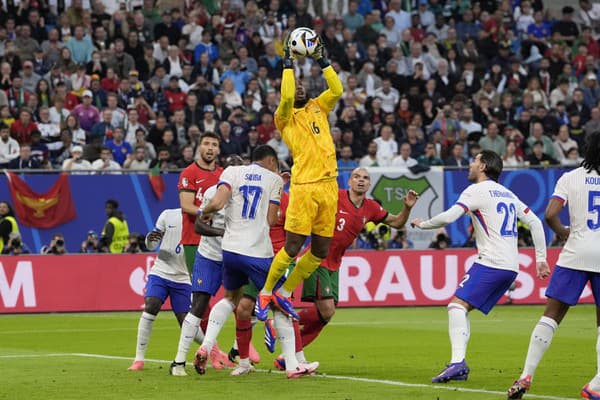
(319, 54)
(288, 57)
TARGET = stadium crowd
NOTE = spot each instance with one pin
(104, 85)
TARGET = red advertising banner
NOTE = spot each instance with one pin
(367, 279)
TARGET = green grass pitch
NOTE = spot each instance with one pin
(388, 353)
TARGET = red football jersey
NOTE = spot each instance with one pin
(349, 222)
(195, 179)
(277, 232)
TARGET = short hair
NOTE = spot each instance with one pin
(210, 135)
(112, 202)
(493, 164)
(262, 152)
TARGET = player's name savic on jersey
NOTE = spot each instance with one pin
(500, 193)
(592, 180)
(253, 177)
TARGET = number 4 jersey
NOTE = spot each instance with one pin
(253, 188)
(580, 190)
(494, 211)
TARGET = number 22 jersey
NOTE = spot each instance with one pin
(494, 211)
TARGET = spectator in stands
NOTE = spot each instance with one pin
(538, 157)
(187, 156)
(430, 157)
(163, 159)
(72, 125)
(137, 161)
(511, 158)
(456, 158)
(90, 244)
(104, 128)
(120, 149)
(537, 134)
(57, 245)
(135, 244)
(21, 129)
(593, 125)
(9, 147)
(76, 162)
(115, 233)
(370, 159)
(563, 143)
(387, 147)
(87, 114)
(492, 140)
(120, 62)
(283, 152)
(24, 161)
(106, 164)
(404, 160)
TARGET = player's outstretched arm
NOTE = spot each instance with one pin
(205, 229)
(440, 220)
(539, 240)
(218, 201)
(553, 220)
(329, 97)
(398, 221)
(288, 86)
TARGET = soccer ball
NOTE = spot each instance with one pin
(303, 42)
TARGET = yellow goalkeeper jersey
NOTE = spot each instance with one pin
(306, 130)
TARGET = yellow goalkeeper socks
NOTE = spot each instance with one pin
(307, 264)
(280, 264)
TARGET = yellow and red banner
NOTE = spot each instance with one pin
(42, 210)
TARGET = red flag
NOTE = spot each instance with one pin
(46, 210)
(156, 181)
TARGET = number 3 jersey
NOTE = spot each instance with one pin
(580, 190)
(210, 246)
(349, 222)
(494, 211)
(253, 189)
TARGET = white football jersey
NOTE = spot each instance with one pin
(494, 211)
(170, 261)
(580, 190)
(210, 246)
(253, 188)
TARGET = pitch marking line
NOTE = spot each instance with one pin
(322, 376)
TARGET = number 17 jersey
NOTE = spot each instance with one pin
(253, 189)
(494, 211)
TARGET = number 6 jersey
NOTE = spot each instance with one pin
(253, 188)
(580, 190)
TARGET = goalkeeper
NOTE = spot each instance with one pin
(312, 208)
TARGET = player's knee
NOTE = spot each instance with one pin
(326, 310)
(244, 309)
(320, 251)
(152, 305)
(200, 302)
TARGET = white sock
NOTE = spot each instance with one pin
(189, 329)
(459, 331)
(541, 337)
(301, 357)
(217, 318)
(235, 344)
(285, 336)
(199, 338)
(143, 335)
(284, 292)
(595, 383)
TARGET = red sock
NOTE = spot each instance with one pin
(298, 336)
(204, 321)
(312, 325)
(243, 335)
